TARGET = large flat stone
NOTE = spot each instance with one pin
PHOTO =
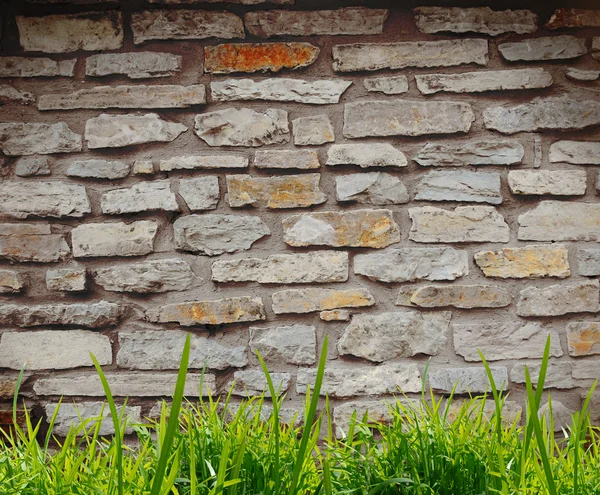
(406, 118)
(573, 18)
(352, 228)
(217, 234)
(134, 65)
(30, 166)
(557, 300)
(297, 268)
(553, 182)
(559, 374)
(372, 188)
(202, 162)
(316, 299)
(560, 221)
(31, 242)
(72, 279)
(470, 153)
(460, 296)
(392, 85)
(294, 344)
(43, 199)
(253, 383)
(313, 130)
(71, 416)
(114, 239)
(366, 155)
(200, 193)
(289, 191)
(384, 336)
(98, 169)
(463, 224)
(284, 159)
(582, 74)
(36, 67)
(411, 264)
(583, 338)
(8, 94)
(588, 261)
(544, 48)
(143, 196)
(18, 139)
(150, 25)
(376, 412)
(117, 131)
(400, 55)
(576, 152)
(477, 187)
(243, 127)
(467, 380)
(10, 282)
(527, 262)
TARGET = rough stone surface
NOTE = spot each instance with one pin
(583, 338)
(384, 336)
(366, 155)
(134, 65)
(460, 296)
(10, 282)
(218, 234)
(560, 221)
(373, 188)
(143, 196)
(596, 47)
(98, 169)
(258, 57)
(289, 191)
(114, 239)
(335, 315)
(297, 268)
(576, 152)
(30, 138)
(148, 25)
(477, 187)
(562, 416)
(554, 182)
(295, 344)
(158, 350)
(400, 55)
(582, 75)
(248, 383)
(467, 380)
(548, 48)
(243, 127)
(298, 159)
(474, 20)
(201, 162)
(377, 412)
(8, 94)
(117, 131)
(588, 261)
(29, 166)
(71, 415)
(317, 299)
(146, 276)
(143, 167)
(559, 374)
(31, 242)
(46, 349)
(406, 118)
(526, 262)
(214, 312)
(36, 67)
(200, 193)
(71, 32)
(393, 85)
(511, 412)
(463, 224)
(573, 18)
(66, 279)
(313, 130)
(556, 300)
(470, 153)
(504, 341)
(352, 228)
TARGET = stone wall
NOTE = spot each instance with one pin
(417, 184)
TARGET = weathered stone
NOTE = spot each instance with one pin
(71, 416)
(317, 299)
(134, 65)
(526, 262)
(410, 264)
(477, 82)
(392, 85)
(53, 349)
(31, 138)
(88, 31)
(586, 370)
(147, 276)
(297, 268)
(544, 48)
(556, 300)
(313, 130)
(98, 169)
(200, 193)
(8, 385)
(243, 127)
(442, 185)
(36, 67)
(596, 47)
(573, 18)
(66, 279)
(583, 338)
(375, 188)
(43, 198)
(114, 239)
(318, 92)
(366, 155)
(31, 242)
(470, 153)
(218, 234)
(161, 350)
(252, 383)
(376, 56)
(116, 131)
(335, 315)
(559, 374)
(376, 412)
(201, 162)
(467, 380)
(143, 196)
(384, 336)
(8, 94)
(29, 166)
(392, 378)
(474, 20)
(353, 228)
(299, 159)
(349, 20)
(406, 118)
(460, 296)
(289, 191)
(557, 414)
(511, 411)
(557, 113)
(589, 262)
(258, 57)
(555, 182)
(150, 25)
(295, 344)
(10, 282)
(560, 221)
(504, 341)
(156, 96)
(582, 75)
(463, 224)
(215, 312)
(89, 315)
(143, 167)
(576, 152)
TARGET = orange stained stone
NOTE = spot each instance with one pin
(583, 338)
(216, 312)
(526, 262)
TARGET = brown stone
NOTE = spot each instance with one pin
(583, 338)
(573, 18)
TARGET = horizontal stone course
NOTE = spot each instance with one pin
(134, 65)
(548, 182)
(33, 242)
(467, 380)
(143, 196)
(114, 239)
(557, 300)
(476, 187)
(17, 138)
(294, 344)
(545, 48)
(317, 299)
(10, 282)
(474, 153)
(576, 152)
(560, 221)
(36, 67)
(525, 262)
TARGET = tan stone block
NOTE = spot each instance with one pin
(335, 315)
(316, 299)
(527, 262)
(10, 282)
(459, 296)
(583, 338)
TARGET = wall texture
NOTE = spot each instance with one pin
(417, 184)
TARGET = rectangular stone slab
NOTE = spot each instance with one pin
(554, 182)
(443, 185)
(557, 300)
(143, 196)
(573, 18)
(575, 152)
(489, 152)
(134, 65)
(114, 239)
(583, 338)
(467, 380)
(18, 138)
(294, 344)
(548, 48)
(299, 159)
(200, 162)
(36, 67)
(317, 299)
(525, 262)
(560, 221)
(31, 242)
(588, 261)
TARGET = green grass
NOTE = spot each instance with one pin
(209, 447)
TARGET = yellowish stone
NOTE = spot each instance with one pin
(335, 315)
(526, 262)
(583, 338)
(314, 299)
